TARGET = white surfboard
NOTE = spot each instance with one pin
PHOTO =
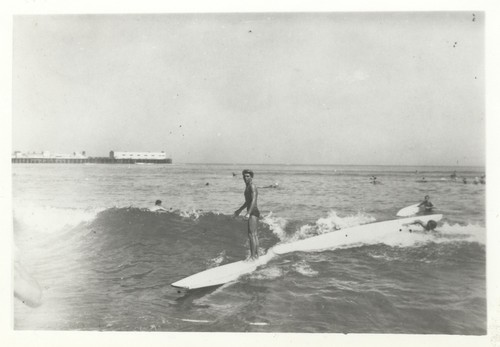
(408, 211)
(223, 274)
(366, 233)
(371, 233)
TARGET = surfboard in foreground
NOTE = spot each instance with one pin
(224, 273)
(361, 234)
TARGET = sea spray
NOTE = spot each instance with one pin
(46, 219)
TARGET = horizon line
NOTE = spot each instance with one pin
(288, 164)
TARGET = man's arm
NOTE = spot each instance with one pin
(238, 211)
(416, 222)
(420, 223)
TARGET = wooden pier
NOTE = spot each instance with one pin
(90, 160)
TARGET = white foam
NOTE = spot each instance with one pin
(196, 320)
(276, 224)
(456, 232)
(51, 219)
(217, 260)
(268, 273)
(304, 269)
(406, 239)
(191, 213)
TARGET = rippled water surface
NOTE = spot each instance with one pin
(104, 262)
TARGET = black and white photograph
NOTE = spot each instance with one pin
(321, 173)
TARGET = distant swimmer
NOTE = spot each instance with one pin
(464, 180)
(476, 180)
(158, 207)
(482, 180)
(429, 226)
(453, 175)
(275, 185)
(252, 214)
(426, 204)
(373, 180)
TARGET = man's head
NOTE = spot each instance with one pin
(158, 202)
(247, 171)
(427, 197)
(431, 225)
(247, 175)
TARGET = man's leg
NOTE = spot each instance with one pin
(253, 236)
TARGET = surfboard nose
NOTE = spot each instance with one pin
(223, 274)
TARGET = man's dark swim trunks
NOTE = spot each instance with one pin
(255, 213)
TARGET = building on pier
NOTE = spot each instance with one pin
(138, 155)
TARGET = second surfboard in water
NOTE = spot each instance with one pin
(409, 211)
(367, 233)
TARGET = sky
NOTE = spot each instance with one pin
(341, 88)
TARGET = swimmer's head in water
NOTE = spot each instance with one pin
(247, 171)
(158, 202)
(431, 225)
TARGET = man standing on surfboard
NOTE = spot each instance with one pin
(253, 213)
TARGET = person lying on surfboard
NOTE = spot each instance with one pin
(253, 213)
(429, 226)
(426, 205)
(158, 207)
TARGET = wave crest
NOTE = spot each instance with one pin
(47, 219)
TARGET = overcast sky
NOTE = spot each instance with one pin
(316, 88)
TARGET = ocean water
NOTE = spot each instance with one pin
(104, 262)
